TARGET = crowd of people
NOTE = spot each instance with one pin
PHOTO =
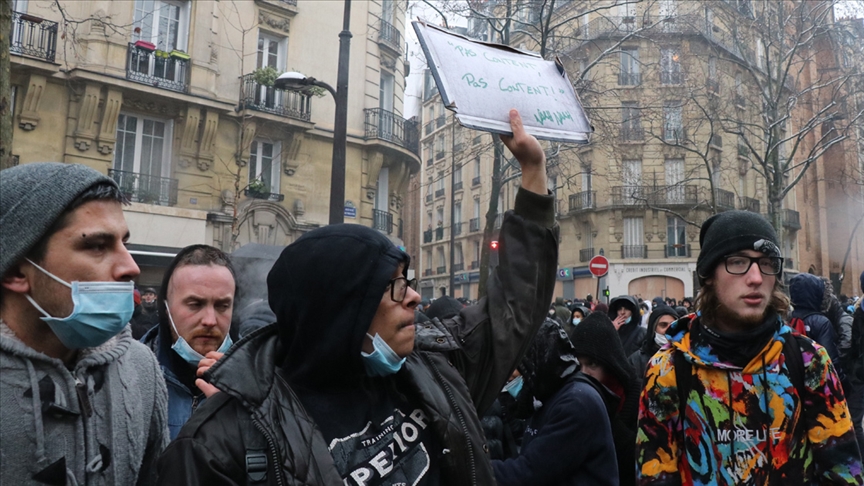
(342, 375)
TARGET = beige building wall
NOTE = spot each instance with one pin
(213, 112)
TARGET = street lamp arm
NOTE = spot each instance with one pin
(321, 84)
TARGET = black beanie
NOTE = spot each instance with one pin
(444, 308)
(732, 231)
(597, 338)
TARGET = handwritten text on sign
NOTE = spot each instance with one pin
(482, 82)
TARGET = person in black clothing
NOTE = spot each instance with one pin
(568, 440)
(660, 319)
(353, 392)
(147, 317)
(624, 314)
(602, 356)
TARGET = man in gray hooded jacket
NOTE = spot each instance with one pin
(81, 401)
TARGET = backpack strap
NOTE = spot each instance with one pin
(683, 377)
(795, 365)
(256, 453)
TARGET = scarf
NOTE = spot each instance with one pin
(737, 348)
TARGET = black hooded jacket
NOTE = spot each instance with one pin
(291, 391)
(632, 333)
(639, 358)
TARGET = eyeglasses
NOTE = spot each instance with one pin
(739, 264)
(399, 288)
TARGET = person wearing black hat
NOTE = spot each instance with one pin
(148, 317)
(444, 308)
(625, 316)
(735, 379)
(568, 440)
(599, 351)
(658, 322)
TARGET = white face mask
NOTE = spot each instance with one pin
(660, 339)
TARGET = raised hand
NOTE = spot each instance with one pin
(529, 153)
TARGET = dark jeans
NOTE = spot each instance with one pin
(855, 401)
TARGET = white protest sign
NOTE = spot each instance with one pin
(481, 82)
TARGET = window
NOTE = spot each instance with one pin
(428, 265)
(629, 75)
(162, 22)
(668, 13)
(673, 131)
(383, 189)
(270, 53)
(457, 175)
(712, 68)
(386, 91)
(142, 159)
(670, 66)
(477, 208)
(676, 234)
(439, 183)
(586, 178)
(633, 242)
(477, 166)
(674, 177)
(457, 258)
(631, 122)
(439, 214)
(760, 54)
(387, 10)
(457, 213)
(264, 165)
(442, 261)
(631, 175)
(143, 145)
(439, 147)
(427, 151)
(627, 12)
(477, 251)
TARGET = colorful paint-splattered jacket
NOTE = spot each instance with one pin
(744, 437)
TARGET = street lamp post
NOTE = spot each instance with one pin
(294, 80)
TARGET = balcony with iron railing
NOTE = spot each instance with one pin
(264, 194)
(678, 250)
(674, 195)
(716, 141)
(145, 188)
(441, 270)
(790, 219)
(631, 134)
(748, 204)
(457, 186)
(671, 77)
(147, 65)
(428, 272)
(586, 254)
(428, 198)
(439, 233)
(628, 195)
(724, 199)
(582, 201)
(474, 265)
(475, 181)
(427, 236)
(713, 85)
(33, 36)
(428, 127)
(457, 229)
(390, 37)
(268, 99)
(382, 221)
(458, 267)
(634, 251)
(439, 193)
(391, 127)
(474, 225)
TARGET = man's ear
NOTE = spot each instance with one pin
(15, 280)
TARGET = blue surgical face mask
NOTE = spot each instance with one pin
(628, 320)
(577, 320)
(383, 360)
(100, 311)
(182, 348)
(514, 386)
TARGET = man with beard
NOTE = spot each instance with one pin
(736, 398)
(147, 315)
(197, 295)
(344, 389)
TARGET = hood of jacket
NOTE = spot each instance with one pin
(649, 346)
(626, 301)
(702, 355)
(324, 289)
(548, 363)
(806, 292)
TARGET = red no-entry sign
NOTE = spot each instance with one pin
(599, 266)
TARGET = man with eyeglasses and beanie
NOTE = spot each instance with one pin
(345, 389)
(81, 401)
(734, 397)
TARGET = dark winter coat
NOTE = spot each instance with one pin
(807, 292)
(632, 333)
(568, 441)
(457, 368)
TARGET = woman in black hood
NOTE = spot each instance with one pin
(625, 316)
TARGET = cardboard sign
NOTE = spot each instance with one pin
(481, 82)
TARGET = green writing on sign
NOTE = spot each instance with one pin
(465, 51)
(510, 62)
(526, 88)
(474, 82)
(542, 116)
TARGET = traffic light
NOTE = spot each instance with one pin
(493, 245)
(606, 292)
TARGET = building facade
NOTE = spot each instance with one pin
(174, 100)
